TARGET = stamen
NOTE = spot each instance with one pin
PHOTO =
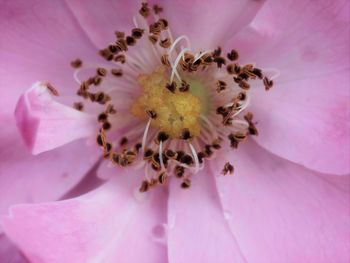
(183, 37)
(228, 168)
(144, 137)
(200, 55)
(195, 157)
(174, 66)
(161, 155)
(77, 63)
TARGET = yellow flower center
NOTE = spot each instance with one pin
(175, 111)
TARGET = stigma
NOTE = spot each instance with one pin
(163, 107)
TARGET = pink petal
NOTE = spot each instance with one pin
(25, 178)
(100, 20)
(281, 212)
(209, 23)
(46, 124)
(8, 252)
(39, 39)
(197, 228)
(111, 224)
(305, 117)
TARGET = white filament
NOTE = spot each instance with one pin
(174, 66)
(161, 156)
(199, 55)
(177, 41)
(144, 138)
(195, 157)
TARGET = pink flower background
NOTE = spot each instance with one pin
(289, 198)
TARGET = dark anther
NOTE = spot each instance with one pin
(207, 150)
(106, 126)
(162, 177)
(155, 159)
(170, 154)
(155, 167)
(268, 83)
(138, 146)
(137, 33)
(217, 52)
(115, 158)
(123, 141)
(257, 72)
(219, 61)
(201, 156)
(249, 117)
(240, 136)
(221, 85)
(97, 80)
(233, 141)
(113, 49)
(102, 117)
(186, 183)
(76, 63)
(242, 96)
(121, 45)
(216, 144)
(179, 155)
(243, 76)
(165, 43)
(98, 97)
(221, 111)
(117, 72)
(78, 106)
(179, 171)
(130, 41)
(163, 23)
(110, 109)
(144, 11)
(101, 72)
(233, 55)
(148, 154)
(157, 9)
(186, 134)
(119, 34)
(231, 69)
(120, 58)
(151, 113)
(184, 86)
(106, 54)
(162, 136)
(228, 168)
(99, 140)
(144, 186)
(186, 159)
(237, 80)
(208, 59)
(244, 85)
(153, 39)
(108, 147)
(165, 60)
(171, 86)
(252, 129)
(52, 90)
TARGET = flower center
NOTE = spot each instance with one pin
(175, 108)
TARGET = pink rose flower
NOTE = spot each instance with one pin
(288, 198)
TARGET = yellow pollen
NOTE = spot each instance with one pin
(174, 111)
